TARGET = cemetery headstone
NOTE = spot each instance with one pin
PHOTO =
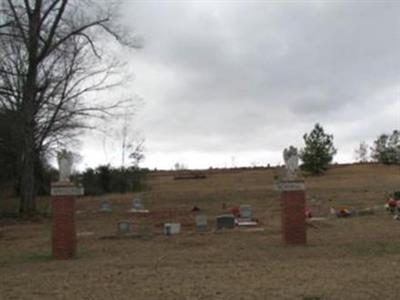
(172, 228)
(124, 227)
(105, 206)
(245, 213)
(225, 221)
(137, 204)
(201, 223)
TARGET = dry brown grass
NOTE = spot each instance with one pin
(354, 258)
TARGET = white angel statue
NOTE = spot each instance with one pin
(291, 158)
(65, 160)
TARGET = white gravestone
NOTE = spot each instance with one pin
(172, 228)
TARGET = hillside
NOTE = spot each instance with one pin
(352, 258)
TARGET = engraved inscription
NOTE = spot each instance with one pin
(66, 191)
(289, 186)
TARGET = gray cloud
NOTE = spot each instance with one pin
(240, 77)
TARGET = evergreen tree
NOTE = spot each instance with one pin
(386, 149)
(318, 151)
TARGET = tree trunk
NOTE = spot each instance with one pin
(27, 188)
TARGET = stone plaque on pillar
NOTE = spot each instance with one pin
(289, 185)
(66, 189)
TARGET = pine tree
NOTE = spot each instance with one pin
(318, 151)
(386, 148)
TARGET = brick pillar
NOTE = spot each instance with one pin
(63, 211)
(64, 233)
(293, 213)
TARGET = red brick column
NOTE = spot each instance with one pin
(64, 233)
(63, 211)
(293, 217)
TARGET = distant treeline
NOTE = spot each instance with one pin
(96, 181)
(212, 170)
(106, 179)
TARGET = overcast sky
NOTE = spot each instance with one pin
(235, 82)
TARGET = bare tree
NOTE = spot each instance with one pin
(132, 145)
(361, 153)
(51, 56)
(137, 152)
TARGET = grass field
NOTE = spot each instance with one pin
(352, 258)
